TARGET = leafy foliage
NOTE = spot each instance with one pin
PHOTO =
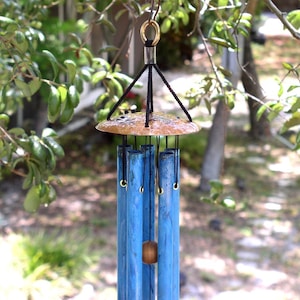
(36, 62)
(216, 197)
(43, 57)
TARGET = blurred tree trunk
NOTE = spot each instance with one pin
(214, 152)
(258, 128)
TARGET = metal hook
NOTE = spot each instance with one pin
(151, 17)
(153, 24)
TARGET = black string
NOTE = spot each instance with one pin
(124, 160)
(157, 160)
(117, 104)
(149, 104)
(176, 158)
(135, 142)
(172, 92)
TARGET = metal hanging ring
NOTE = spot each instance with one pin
(175, 186)
(143, 29)
(123, 183)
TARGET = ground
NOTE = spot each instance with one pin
(255, 252)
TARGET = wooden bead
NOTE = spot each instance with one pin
(149, 252)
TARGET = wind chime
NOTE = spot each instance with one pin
(144, 171)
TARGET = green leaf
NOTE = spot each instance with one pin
(293, 121)
(28, 181)
(115, 87)
(88, 54)
(67, 113)
(100, 101)
(37, 148)
(228, 203)
(32, 199)
(230, 100)
(293, 87)
(63, 92)
(182, 14)
(166, 25)
(107, 23)
(78, 82)
(219, 41)
(53, 61)
(294, 18)
(4, 120)
(20, 37)
(34, 85)
(54, 104)
(136, 6)
(71, 69)
(50, 158)
(261, 111)
(73, 95)
(216, 186)
(49, 132)
(296, 105)
(102, 114)
(288, 66)
(120, 13)
(281, 90)
(24, 87)
(222, 3)
(20, 46)
(17, 131)
(54, 146)
(98, 76)
(6, 20)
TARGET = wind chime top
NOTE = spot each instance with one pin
(148, 122)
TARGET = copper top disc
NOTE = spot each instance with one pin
(159, 124)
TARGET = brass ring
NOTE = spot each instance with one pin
(175, 186)
(155, 25)
(123, 183)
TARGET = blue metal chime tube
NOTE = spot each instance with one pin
(149, 217)
(176, 228)
(134, 225)
(122, 220)
(168, 226)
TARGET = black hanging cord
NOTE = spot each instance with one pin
(149, 104)
(117, 104)
(176, 158)
(124, 159)
(150, 63)
(172, 92)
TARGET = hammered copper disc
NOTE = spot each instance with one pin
(159, 124)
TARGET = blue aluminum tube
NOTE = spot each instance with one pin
(176, 228)
(122, 220)
(134, 225)
(168, 225)
(149, 217)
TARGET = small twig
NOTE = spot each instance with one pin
(273, 8)
(5, 133)
(197, 20)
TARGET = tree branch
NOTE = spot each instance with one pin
(273, 8)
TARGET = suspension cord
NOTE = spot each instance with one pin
(124, 160)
